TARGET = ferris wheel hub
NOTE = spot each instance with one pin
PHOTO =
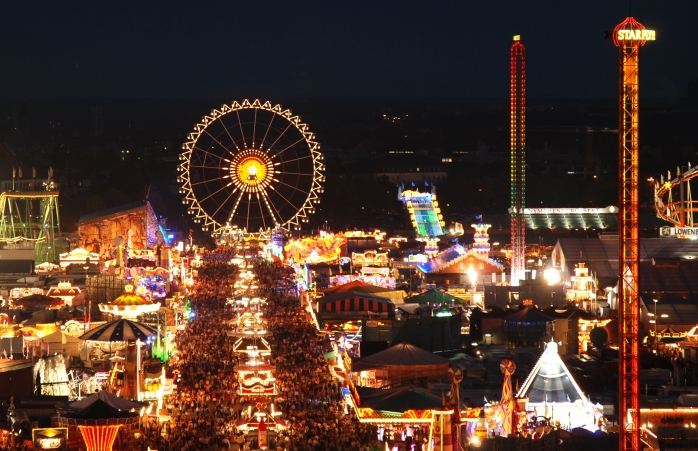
(251, 171)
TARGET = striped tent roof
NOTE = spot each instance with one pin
(120, 330)
(353, 301)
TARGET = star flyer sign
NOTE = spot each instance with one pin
(686, 233)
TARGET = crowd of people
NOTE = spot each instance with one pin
(206, 409)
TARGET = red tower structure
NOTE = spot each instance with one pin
(518, 159)
(629, 36)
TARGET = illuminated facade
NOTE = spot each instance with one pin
(629, 36)
(99, 438)
(518, 159)
(481, 238)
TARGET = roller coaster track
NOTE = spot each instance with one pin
(678, 212)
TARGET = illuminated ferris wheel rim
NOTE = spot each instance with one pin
(252, 170)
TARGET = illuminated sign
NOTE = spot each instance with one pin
(50, 443)
(567, 211)
(418, 258)
(679, 232)
(50, 438)
(636, 35)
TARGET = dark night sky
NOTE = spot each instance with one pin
(332, 49)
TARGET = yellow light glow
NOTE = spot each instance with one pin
(636, 35)
(251, 171)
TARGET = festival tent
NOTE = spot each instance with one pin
(100, 410)
(403, 361)
(108, 398)
(355, 301)
(36, 300)
(552, 392)
(68, 344)
(434, 297)
(397, 296)
(356, 285)
(400, 399)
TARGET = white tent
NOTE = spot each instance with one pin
(68, 345)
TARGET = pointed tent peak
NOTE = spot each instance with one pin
(551, 347)
(550, 381)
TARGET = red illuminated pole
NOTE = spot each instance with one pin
(518, 159)
(629, 36)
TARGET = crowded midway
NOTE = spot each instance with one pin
(207, 406)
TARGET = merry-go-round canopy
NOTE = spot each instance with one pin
(120, 330)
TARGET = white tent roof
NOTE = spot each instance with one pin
(550, 380)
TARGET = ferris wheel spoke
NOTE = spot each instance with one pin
(210, 180)
(261, 144)
(249, 202)
(293, 187)
(204, 167)
(219, 143)
(261, 211)
(242, 133)
(280, 135)
(296, 159)
(220, 118)
(214, 193)
(224, 202)
(289, 147)
(284, 198)
(235, 207)
(297, 173)
(254, 127)
(209, 153)
(268, 203)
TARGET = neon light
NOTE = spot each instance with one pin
(99, 438)
(518, 159)
(628, 227)
(636, 35)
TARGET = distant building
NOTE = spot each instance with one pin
(401, 167)
(135, 222)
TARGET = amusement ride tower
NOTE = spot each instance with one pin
(629, 36)
(518, 159)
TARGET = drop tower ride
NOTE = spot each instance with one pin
(629, 36)
(518, 159)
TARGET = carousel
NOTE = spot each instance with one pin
(130, 305)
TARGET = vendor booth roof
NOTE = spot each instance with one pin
(355, 301)
(400, 399)
(100, 410)
(120, 330)
(434, 296)
(39, 299)
(550, 380)
(111, 400)
(403, 354)
(528, 315)
(356, 285)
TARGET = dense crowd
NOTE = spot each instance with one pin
(206, 405)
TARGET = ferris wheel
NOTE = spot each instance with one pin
(252, 166)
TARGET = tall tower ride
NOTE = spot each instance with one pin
(518, 159)
(629, 36)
